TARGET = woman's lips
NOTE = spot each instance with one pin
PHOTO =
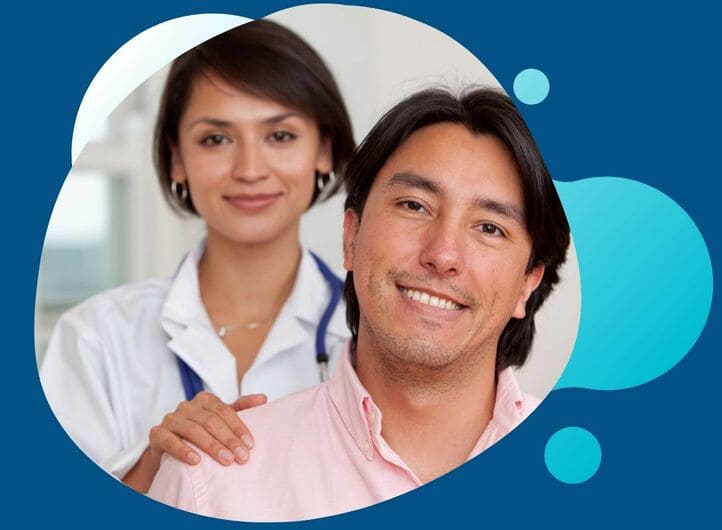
(253, 202)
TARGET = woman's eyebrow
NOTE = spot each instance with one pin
(217, 122)
(280, 117)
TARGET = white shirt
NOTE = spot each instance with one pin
(110, 372)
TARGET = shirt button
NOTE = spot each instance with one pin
(367, 448)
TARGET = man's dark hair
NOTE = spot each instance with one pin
(481, 111)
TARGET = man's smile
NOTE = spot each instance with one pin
(431, 299)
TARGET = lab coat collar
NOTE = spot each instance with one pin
(194, 340)
(299, 317)
(192, 337)
(310, 297)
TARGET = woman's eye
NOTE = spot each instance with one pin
(282, 136)
(214, 139)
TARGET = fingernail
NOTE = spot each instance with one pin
(225, 456)
(247, 440)
(193, 458)
(241, 453)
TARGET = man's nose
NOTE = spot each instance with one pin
(444, 245)
(250, 164)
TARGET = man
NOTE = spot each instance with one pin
(453, 235)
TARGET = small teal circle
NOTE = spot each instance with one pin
(573, 455)
(531, 86)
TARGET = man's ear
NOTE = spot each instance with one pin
(177, 169)
(350, 229)
(531, 281)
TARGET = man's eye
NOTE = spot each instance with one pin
(282, 136)
(491, 229)
(413, 206)
(214, 139)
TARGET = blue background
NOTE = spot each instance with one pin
(635, 93)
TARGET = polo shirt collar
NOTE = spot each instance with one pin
(362, 418)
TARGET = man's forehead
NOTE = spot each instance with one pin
(449, 157)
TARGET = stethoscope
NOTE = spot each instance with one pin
(192, 383)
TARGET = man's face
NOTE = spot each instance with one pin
(439, 256)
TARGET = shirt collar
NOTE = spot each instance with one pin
(509, 401)
(194, 340)
(183, 304)
(362, 418)
(358, 412)
(310, 296)
(510, 409)
(191, 334)
(307, 302)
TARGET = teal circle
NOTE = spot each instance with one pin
(646, 279)
(572, 455)
(531, 86)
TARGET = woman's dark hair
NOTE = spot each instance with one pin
(264, 59)
(481, 111)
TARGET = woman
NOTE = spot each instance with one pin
(250, 129)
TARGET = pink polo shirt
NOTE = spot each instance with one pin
(318, 452)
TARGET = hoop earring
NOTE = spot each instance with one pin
(324, 182)
(179, 191)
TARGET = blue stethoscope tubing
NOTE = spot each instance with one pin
(192, 383)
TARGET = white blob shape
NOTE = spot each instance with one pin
(132, 64)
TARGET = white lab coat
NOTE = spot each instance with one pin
(111, 373)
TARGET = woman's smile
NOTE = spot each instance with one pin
(253, 202)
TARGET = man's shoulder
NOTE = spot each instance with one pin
(277, 427)
(284, 414)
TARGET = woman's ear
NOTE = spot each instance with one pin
(324, 160)
(177, 168)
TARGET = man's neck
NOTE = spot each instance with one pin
(433, 420)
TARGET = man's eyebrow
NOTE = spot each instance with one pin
(501, 208)
(412, 180)
(216, 122)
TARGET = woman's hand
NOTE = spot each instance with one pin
(208, 423)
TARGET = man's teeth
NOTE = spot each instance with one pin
(433, 301)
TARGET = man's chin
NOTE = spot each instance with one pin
(422, 353)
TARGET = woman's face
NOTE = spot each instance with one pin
(249, 162)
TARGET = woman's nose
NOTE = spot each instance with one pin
(250, 162)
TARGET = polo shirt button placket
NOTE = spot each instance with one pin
(368, 450)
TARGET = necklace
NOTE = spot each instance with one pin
(226, 328)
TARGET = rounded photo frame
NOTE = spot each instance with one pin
(159, 241)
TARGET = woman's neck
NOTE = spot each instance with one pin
(247, 283)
